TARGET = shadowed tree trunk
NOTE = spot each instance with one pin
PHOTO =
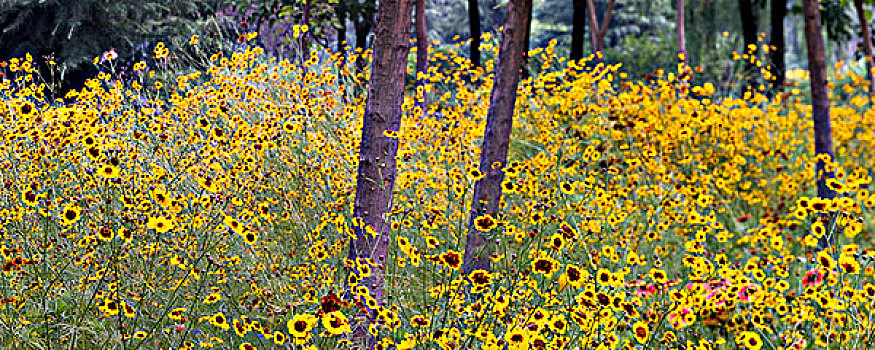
(683, 71)
(474, 26)
(422, 43)
(749, 33)
(304, 36)
(340, 11)
(375, 177)
(819, 98)
(597, 34)
(527, 44)
(867, 42)
(496, 137)
(778, 12)
(578, 29)
(681, 36)
(362, 25)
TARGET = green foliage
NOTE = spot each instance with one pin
(643, 54)
(278, 17)
(449, 18)
(72, 33)
(836, 18)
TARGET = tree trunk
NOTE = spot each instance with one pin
(593, 27)
(496, 137)
(597, 33)
(867, 42)
(422, 44)
(474, 26)
(362, 30)
(681, 36)
(819, 98)
(749, 32)
(340, 10)
(375, 177)
(578, 29)
(305, 35)
(778, 12)
(527, 43)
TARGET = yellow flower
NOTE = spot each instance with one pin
(219, 320)
(160, 224)
(750, 340)
(300, 326)
(110, 171)
(70, 215)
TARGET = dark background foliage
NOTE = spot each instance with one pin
(640, 34)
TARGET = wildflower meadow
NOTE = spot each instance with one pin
(213, 209)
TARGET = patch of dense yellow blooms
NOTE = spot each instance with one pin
(215, 213)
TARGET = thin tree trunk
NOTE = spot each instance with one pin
(496, 137)
(593, 27)
(867, 42)
(683, 71)
(819, 98)
(527, 43)
(749, 33)
(597, 33)
(422, 43)
(375, 177)
(578, 29)
(340, 10)
(304, 36)
(474, 26)
(363, 27)
(778, 12)
(681, 36)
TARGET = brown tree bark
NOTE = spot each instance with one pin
(362, 24)
(578, 29)
(527, 43)
(375, 177)
(474, 26)
(597, 33)
(496, 137)
(681, 35)
(867, 42)
(422, 43)
(776, 40)
(749, 33)
(305, 36)
(819, 98)
(341, 12)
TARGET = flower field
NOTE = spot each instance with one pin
(638, 213)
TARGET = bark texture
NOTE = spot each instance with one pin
(597, 33)
(681, 35)
(777, 14)
(867, 42)
(474, 27)
(496, 138)
(340, 11)
(375, 177)
(749, 33)
(305, 36)
(578, 29)
(362, 25)
(819, 97)
(422, 43)
(526, 44)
